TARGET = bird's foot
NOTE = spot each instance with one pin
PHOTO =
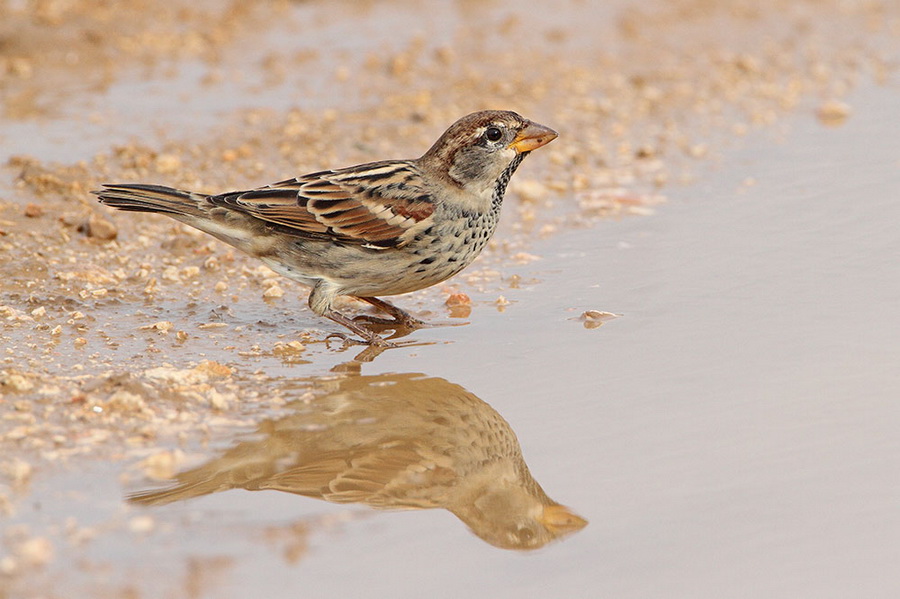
(373, 347)
(398, 317)
(405, 322)
(371, 339)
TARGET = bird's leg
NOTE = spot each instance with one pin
(369, 337)
(398, 316)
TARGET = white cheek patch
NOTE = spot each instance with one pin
(509, 154)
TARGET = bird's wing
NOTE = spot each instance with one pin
(395, 475)
(381, 204)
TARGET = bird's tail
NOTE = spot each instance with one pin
(177, 492)
(152, 198)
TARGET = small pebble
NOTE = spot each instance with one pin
(33, 210)
(274, 291)
(98, 228)
(458, 299)
(141, 524)
(36, 552)
(163, 326)
(593, 319)
(833, 113)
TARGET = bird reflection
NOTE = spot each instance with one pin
(392, 441)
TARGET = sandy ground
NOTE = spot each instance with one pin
(132, 346)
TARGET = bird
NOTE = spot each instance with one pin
(390, 441)
(376, 229)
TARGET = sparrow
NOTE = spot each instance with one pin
(381, 228)
(391, 441)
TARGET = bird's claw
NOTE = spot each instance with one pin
(348, 341)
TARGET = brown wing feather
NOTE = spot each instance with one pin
(379, 478)
(382, 203)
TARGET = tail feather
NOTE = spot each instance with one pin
(137, 197)
(177, 492)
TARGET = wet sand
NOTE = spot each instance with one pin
(720, 203)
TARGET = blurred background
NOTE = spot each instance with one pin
(685, 325)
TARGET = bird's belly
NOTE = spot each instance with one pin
(353, 270)
(361, 271)
(291, 270)
(423, 263)
(398, 276)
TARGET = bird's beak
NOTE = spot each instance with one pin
(533, 137)
(558, 519)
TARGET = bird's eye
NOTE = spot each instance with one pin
(525, 534)
(493, 134)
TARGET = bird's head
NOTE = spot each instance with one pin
(484, 148)
(510, 516)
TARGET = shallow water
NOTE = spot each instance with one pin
(731, 433)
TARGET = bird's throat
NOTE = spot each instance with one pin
(503, 181)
